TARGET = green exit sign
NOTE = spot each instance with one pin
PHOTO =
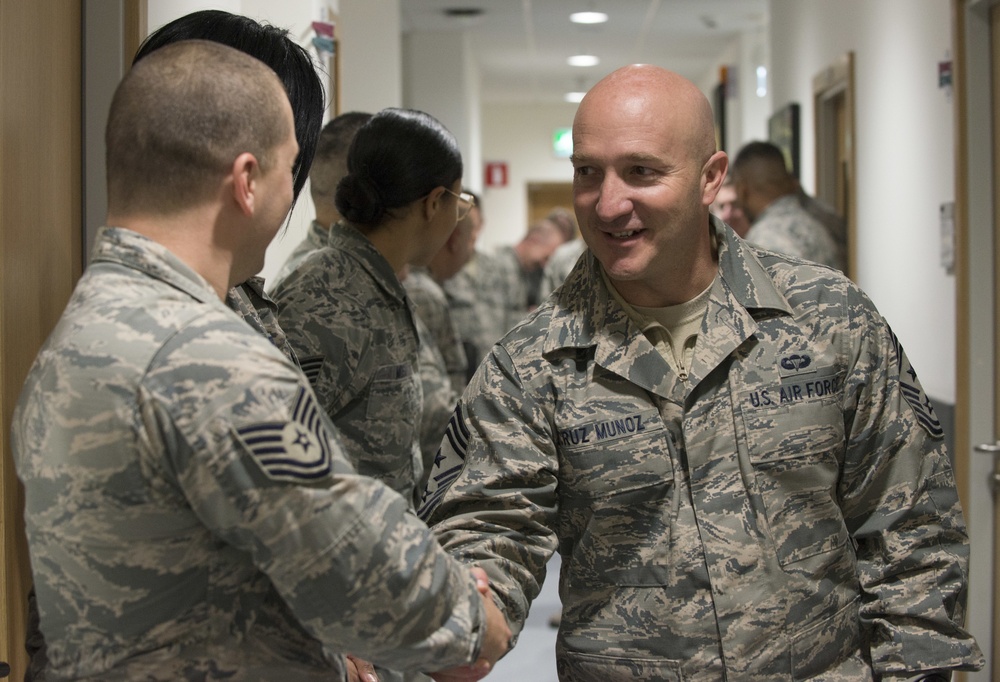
(562, 143)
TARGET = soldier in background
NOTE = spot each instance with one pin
(180, 482)
(728, 208)
(424, 285)
(345, 309)
(461, 291)
(727, 446)
(328, 168)
(779, 213)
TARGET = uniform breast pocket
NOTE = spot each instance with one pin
(394, 395)
(795, 451)
(617, 497)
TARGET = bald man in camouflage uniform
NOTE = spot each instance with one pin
(771, 502)
(190, 514)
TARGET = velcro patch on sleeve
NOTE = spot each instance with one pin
(448, 463)
(295, 451)
(914, 394)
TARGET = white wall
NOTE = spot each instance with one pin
(371, 55)
(442, 79)
(296, 16)
(904, 154)
(520, 135)
(904, 134)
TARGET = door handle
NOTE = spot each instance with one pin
(994, 478)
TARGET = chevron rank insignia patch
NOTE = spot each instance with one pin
(295, 451)
(448, 463)
(311, 367)
(914, 394)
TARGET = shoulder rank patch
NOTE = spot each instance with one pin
(311, 366)
(448, 464)
(913, 392)
(297, 450)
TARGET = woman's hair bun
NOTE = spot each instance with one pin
(358, 201)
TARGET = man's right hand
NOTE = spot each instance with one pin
(496, 640)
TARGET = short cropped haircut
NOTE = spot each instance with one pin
(176, 125)
(330, 162)
(399, 156)
(761, 165)
(274, 47)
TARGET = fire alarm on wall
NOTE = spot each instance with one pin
(496, 174)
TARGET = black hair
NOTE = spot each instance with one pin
(274, 47)
(758, 151)
(330, 162)
(399, 156)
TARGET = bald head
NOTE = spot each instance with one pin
(666, 98)
(176, 126)
(645, 170)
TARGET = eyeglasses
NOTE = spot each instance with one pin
(465, 202)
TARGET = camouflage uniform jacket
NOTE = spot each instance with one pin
(260, 312)
(560, 264)
(786, 513)
(835, 225)
(465, 309)
(348, 320)
(439, 399)
(502, 291)
(315, 239)
(432, 306)
(190, 515)
(786, 227)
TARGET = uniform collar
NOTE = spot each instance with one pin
(317, 234)
(135, 251)
(355, 245)
(597, 320)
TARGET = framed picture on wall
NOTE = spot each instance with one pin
(783, 131)
(719, 109)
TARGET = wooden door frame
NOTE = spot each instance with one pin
(977, 381)
(835, 80)
(40, 242)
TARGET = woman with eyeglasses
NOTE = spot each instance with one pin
(345, 309)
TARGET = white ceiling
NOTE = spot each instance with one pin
(521, 46)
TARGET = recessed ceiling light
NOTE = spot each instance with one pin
(588, 17)
(583, 60)
(463, 12)
(574, 97)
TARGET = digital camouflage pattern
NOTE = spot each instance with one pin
(502, 292)
(788, 228)
(432, 307)
(439, 398)
(250, 302)
(835, 225)
(787, 513)
(190, 514)
(315, 239)
(347, 319)
(463, 304)
(560, 264)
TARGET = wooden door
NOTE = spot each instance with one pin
(40, 240)
(833, 121)
(543, 197)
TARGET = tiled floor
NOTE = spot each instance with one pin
(534, 659)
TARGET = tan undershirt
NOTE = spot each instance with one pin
(673, 330)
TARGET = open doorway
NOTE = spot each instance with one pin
(543, 197)
(833, 118)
